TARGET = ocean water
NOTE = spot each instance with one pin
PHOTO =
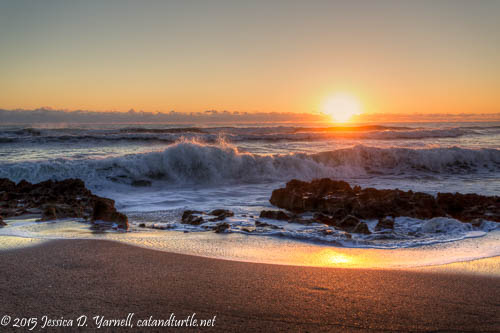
(237, 167)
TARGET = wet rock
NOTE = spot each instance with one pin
(321, 218)
(23, 186)
(57, 199)
(275, 215)
(300, 196)
(353, 225)
(195, 217)
(337, 199)
(220, 214)
(221, 227)
(55, 211)
(265, 225)
(348, 222)
(192, 217)
(2, 223)
(142, 225)
(7, 185)
(361, 228)
(385, 223)
(470, 206)
(104, 210)
(49, 213)
(141, 183)
(477, 222)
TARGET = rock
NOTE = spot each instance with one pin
(385, 223)
(337, 200)
(23, 186)
(220, 214)
(195, 217)
(221, 227)
(7, 185)
(361, 228)
(275, 215)
(49, 213)
(142, 225)
(477, 222)
(299, 196)
(348, 223)
(263, 225)
(2, 223)
(190, 217)
(55, 211)
(57, 199)
(321, 218)
(141, 183)
(104, 210)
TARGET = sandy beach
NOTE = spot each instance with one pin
(70, 278)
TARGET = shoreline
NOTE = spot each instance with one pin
(68, 278)
(486, 266)
(466, 258)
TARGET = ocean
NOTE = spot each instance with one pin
(156, 171)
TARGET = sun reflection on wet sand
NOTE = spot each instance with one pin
(454, 256)
(330, 257)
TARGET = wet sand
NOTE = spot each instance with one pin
(69, 278)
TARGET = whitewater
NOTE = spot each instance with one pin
(156, 171)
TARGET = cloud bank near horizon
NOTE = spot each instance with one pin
(48, 115)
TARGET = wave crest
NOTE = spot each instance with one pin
(191, 162)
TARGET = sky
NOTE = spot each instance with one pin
(398, 57)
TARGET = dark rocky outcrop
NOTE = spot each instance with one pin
(384, 223)
(57, 199)
(221, 227)
(104, 210)
(265, 225)
(196, 217)
(275, 215)
(2, 223)
(338, 199)
(220, 214)
(353, 225)
(192, 217)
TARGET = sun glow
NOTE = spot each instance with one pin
(342, 107)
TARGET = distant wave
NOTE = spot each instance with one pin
(161, 130)
(189, 162)
(240, 134)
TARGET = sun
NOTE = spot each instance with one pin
(342, 107)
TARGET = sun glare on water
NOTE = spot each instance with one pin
(342, 107)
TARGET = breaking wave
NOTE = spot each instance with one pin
(190, 162)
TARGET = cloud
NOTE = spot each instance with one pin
(48, 115)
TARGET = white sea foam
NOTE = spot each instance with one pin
(189, 162)
(201, 171)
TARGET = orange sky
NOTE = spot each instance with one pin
(262, 56)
